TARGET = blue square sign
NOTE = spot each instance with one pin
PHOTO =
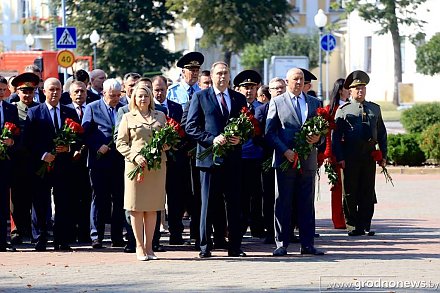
(66, 38)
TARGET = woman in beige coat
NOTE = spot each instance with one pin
(142, 199)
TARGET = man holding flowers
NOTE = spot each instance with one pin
(44, 127)
(287, 113)
(208, 115)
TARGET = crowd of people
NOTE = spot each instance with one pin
(87, 179)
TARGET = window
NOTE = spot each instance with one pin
(367, 65)
(25, 11)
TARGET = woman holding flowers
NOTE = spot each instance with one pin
(145, 195)
(339, 97)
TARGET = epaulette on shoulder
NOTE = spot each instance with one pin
(345, 105)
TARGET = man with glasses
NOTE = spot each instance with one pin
(183, 91)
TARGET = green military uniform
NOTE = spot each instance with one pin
(359, 127)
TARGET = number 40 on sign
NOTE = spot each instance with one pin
(65, 58)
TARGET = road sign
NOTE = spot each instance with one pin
(65, 58)
(328, 42)
(66, 37)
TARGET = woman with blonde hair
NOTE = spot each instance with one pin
(142, 198)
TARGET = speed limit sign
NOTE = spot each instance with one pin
(65, 58)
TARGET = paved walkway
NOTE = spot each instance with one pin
(404, 253)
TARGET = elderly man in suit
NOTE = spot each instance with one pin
(286, 115)
(106, 165)
(208, 114)
(42, 125)
(8, 113)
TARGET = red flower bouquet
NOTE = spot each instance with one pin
(9, 131)
(67, 136)
(245, 126)
(171, 134)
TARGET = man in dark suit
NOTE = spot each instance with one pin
(178, 177)
(208, 115)
(83, 76)
(106, 165)
(8, 113)
(42, 125)
(286, 115)
(81, 190)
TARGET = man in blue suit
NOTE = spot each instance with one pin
(208, 115)
(42, 125)
(286, 115)
(106, 165)
(8, 113)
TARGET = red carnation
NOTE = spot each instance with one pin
(377, 155)
(12, 128)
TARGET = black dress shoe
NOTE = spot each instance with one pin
(16, 239)
(119, 243)
(40, 246)
(356, 233)
(370, 233)
(129, 249)
(97, 244)
(159, 248)
(62, 247)
(7, 248)
(311, 250)
(280, 251)
(205, 254)
(236, 253)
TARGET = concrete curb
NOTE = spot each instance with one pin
(410, 170)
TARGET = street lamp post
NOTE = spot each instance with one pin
(94, 39)
(30, 40)
(198, 34)
(320, 22)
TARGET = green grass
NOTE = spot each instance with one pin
(389, 111)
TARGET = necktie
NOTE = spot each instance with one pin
(251, 108)
(80, 112)
(224, 105)
(297, 108)
(55, 119)
(112, 117)
(190, 92)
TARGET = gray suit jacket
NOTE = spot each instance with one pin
(282, 124)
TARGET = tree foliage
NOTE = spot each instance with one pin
(389, 14)
(428, 56)
(282, 45)
(131, 33)
(234, 23)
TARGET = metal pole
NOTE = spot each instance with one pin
(64, 22)
(94, 56)
(320, 65)
(327, 98)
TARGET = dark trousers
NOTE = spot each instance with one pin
(4, 199)
(269, 201)
(107, 202)
(22, 190)
(299, 188)
(195, 202)
(220, 186)
(178, 189)
(360, 196)
(252, 197)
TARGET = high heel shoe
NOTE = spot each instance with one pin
(152, 257)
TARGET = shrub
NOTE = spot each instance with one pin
(430, 142)
(420, 116)
(404, 149)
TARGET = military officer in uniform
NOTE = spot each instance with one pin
(308, 77)
(182, 92)
(359, 131)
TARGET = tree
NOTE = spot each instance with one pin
(428, 56)
(287, 44)
(131, 33)
(389, 14)
(234, 23)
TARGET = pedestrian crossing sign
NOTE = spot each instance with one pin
(66, 37)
